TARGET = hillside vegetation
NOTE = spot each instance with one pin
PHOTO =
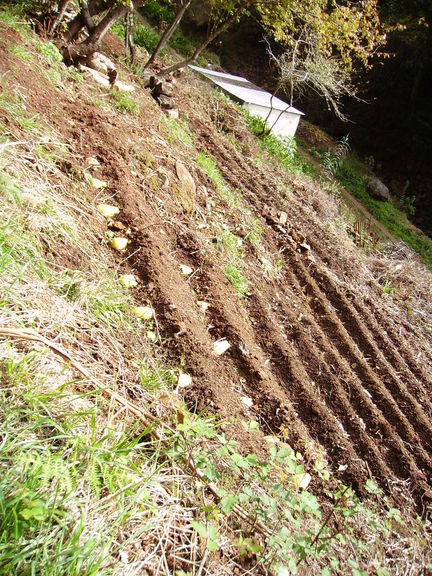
(202, 370)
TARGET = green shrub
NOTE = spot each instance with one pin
(158, 12)
(146, 38)
(283, 149)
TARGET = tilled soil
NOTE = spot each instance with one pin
(317, 348)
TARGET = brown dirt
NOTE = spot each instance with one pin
(318, 349)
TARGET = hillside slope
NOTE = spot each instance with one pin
(330, 347)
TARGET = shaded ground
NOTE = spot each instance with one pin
(323, 353)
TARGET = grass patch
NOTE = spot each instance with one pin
(237, 278)
(396, 221)
(284, 150)
(209, 166)
(178, 130)
(49, 52)
(230, 247)
(186, 45)
(144, 36)
(229, 244)
(158, 13)
(12, 17)
(70, 483)
(15, 107)
(124, 102)
(21, 52)
(255, 236)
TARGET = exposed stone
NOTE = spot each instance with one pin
(173, 113)
(167, 89)
(165, 101)
(186, 190)
(146, 76)
(377, 189)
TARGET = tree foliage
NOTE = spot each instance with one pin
(348, 30)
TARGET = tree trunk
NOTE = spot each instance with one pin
(212, 36)
(130, 50)
(58, 18)
(183, 6)
(76, 26)
(88, 20)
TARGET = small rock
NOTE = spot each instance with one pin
(128, 281)
(186, 270)
(146, 78)
(165, 101)
(184, 380)
(173, 113)
(220, 347)
(283, 218)
(203, 305)
(186, 191)
(244, 349)
(377, 189)
(247, 401)
(167, 89)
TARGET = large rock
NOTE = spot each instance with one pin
(185, 191)
(377, 189)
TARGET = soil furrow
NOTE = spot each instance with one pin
(384, 402)
(365, 344)
(349, 400)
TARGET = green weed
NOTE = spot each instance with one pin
(49, 52)
(19, 250)
(232, 197)
(388, 288)
(237, 278)
(178, 130)
(15, 107)
(106, 300)
(333, 160)
(229, 244)
(124, 102)
(20, 52)
(54, 76)
(147, 38)
(291, 528)
(157, 12)
(74, 75)
(156, 377)
(272, 267)
(256, 234)
(12, 17)
(56, 464)
(282, 149)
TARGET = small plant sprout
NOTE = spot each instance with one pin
(388, 289)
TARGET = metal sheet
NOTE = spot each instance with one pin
(245, 91)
